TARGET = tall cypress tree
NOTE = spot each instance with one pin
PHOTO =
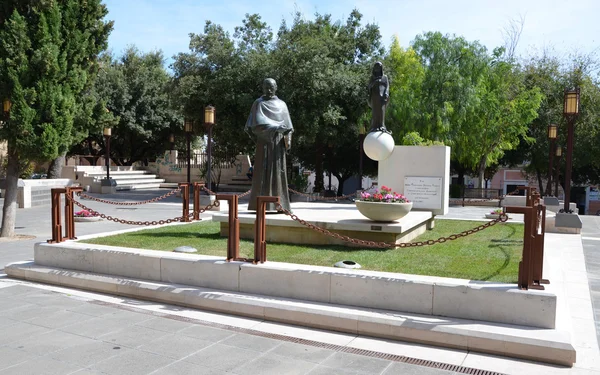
(48, 53)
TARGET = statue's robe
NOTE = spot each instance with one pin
(269, 122)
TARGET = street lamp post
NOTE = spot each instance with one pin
(188, 127)
(209, 122)
(558, 156)
(107, 134)
(172, 141)
(570, 111)
(552, 130)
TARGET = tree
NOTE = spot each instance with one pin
(48, 53)
(135, 88)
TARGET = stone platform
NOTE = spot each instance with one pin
(340, 218)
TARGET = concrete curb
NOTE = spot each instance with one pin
(545, 345)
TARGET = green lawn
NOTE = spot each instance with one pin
(492, 254)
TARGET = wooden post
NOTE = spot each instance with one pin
(56, 217)
(69, 208)
(260, 244)
(233, 238)
(185, 193)
(197, 187)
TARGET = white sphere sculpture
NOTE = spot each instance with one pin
(378, 145)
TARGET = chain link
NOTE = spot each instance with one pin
(213, 193)
(386, 245)
(152, 200)
(145, 223)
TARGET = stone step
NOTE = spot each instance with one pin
(139, 181)
(149, 185)
(116, 173)
(129, 176)
(547, 345)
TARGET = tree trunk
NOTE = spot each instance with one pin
(540, 182)
(341, 180)
(481, 172)
(56, 165)
(319, 170)
(9, 211)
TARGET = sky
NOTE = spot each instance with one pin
(561, 25)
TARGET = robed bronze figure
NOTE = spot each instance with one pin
(270, 123)
(379, 97)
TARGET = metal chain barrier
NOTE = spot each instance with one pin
(385, 245)
(145, 223)
(330, 198)
(238, 195)
(152, 200)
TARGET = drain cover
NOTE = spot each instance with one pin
(347, 264)
(185, 249)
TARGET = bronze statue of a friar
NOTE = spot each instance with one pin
(269, 122)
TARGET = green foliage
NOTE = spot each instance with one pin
(134, 89)
(48, 53)
(415, 139)
(456, 190)
(299, 182)
(320, 66)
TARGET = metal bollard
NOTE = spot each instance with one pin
(197, 187)
(185, 193)
(56, 217)
(260, 243)
(233, 238)
(69, 208)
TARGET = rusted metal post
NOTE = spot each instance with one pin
(185, 193)
(260, 243)
(69, 207)
(197, 187)
(233, 238)
(528, 266)
(56, 217)
(540, 234)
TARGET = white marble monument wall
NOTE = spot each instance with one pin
(422, 173)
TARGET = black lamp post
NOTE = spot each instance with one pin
(570, 111)
(552, 130)
(361, 140)
(209, 122)
(188, 127)
(172, 141)
(558, 156)
(107, 134)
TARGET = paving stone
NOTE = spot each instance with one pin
(132, 336)
(261, 344)
(29, 311)
(206, 333)
(187, 368)
(356, 363)
(92, 309)
(223, 357)
(132, 362)
(17, 290)
(12, 303)
(407, 369)
(96, 327)
(6, 321)
(59, 319)
(41, 365)
(325, 370)
(302, 352)
(273, 364)
(88, 354)
(10, 357)
(49, 342)
(20, 331)
(175, 346)
(165, 324)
